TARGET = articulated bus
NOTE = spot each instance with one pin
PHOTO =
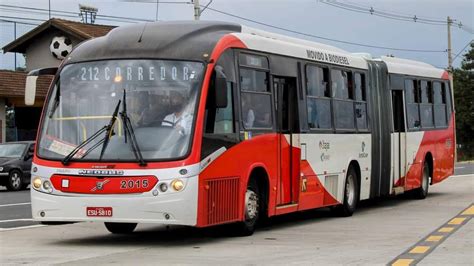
(208, 123)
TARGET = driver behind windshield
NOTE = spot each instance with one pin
(180, 118)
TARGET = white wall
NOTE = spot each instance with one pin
(38, 54)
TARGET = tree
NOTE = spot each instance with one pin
(464, 104)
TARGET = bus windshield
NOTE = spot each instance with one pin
(159, 101)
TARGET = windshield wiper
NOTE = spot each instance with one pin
(129, 132)
(107, 128)
(110, 130)
(68, 157)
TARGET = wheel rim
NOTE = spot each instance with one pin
(350, 190)
(251, 205)
(15, 179)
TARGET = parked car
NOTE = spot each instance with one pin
(15, 164)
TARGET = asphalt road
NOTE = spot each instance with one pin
(379, 231)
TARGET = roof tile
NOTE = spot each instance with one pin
(12, 84)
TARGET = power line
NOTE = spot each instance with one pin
(322, 37)
(22, 18)
(74, 14)
(388, 11)
(346, 5)
(18, 22)
(462, 50)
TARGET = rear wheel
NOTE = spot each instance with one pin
(422, 191)
(14, 182)
(351, 195)
(120, 228)
(251, 208)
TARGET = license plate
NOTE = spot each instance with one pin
(99, 211)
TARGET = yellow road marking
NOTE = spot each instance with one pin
(469, 211)
(457, 220)
(446, 229)
(402, 262)
(434, 238)
(419, 249)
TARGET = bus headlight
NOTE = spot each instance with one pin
(1, 169)
(47, 186)
(37, 183)
(177, 184)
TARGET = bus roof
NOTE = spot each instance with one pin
(412, 67)
(186, 40)
(195, 40)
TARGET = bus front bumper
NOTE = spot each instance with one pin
(165, 208)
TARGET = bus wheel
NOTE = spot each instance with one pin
(251, 208)
(351, 195)
(120, 228)
(422, 191)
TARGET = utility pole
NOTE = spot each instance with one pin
(14, 35)
(197, 10)
(450, 75)
(450, 55)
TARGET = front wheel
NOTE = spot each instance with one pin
(422, 191)
(252, 210)
(14, 182)
(120, 228)
(351, 195)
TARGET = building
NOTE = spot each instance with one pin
(44, 46)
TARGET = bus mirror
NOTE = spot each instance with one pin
(30, 88)
(221, 92)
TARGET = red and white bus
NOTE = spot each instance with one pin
(206, 123)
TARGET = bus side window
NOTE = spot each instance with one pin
(360, 101)
(412, 99)
(426, 105)
(439, 100)
(449, 99)
(318, 97)
(342, 103)
(255, 99)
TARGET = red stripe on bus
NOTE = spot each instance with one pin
(103, 185)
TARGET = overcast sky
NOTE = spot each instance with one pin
(308, 16)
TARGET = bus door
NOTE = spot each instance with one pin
(398, 141)
(284, 89)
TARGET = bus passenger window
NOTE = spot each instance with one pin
(426, 106)
(448, 98)
(360, 101)
(255, 99)
(252, 80)
(439, 105)
(360, 87)
(412, 99)
(343, 107)
(317, 81)
(426, 92)
(318, 98)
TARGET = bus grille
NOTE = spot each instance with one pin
(223, 200)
